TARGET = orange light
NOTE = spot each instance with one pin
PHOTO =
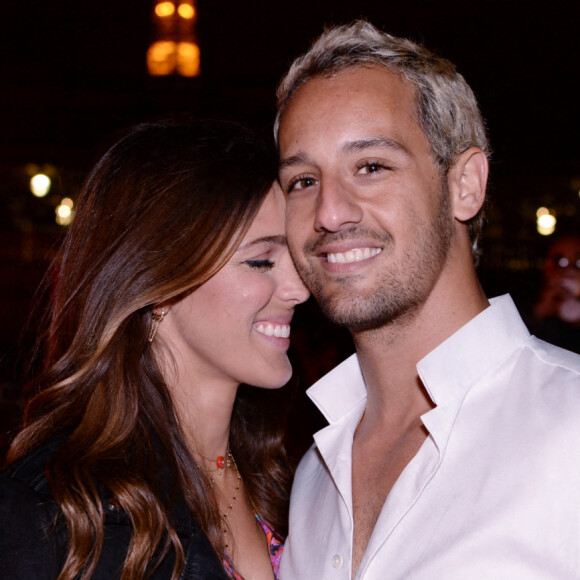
(161, 58)
(186, 11)
(188, 59)
(164, 9)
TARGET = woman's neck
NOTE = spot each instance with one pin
(205, 413)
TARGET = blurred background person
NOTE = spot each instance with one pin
(556, 312)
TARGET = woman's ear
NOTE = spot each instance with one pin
(467, 181)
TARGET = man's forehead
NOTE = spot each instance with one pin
(355, 108)
(348, 89)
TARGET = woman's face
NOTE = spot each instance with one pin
(235, 328)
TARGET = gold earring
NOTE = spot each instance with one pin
(157, 317)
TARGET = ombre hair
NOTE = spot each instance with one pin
(160, 213)
(446, 108)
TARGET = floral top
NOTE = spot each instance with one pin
(275, 548)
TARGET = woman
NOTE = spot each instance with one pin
(140, 457)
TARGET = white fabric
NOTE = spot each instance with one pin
(492, 494)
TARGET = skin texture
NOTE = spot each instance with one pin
(381, 239)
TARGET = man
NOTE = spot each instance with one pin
(453, 445)
(556, 312)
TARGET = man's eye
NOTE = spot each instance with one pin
(299, 183)
(260, 264)
(371, 167)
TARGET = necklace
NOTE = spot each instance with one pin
(221, 463)
(225, 515)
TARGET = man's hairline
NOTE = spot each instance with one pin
(371, 65)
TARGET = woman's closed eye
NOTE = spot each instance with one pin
(262, 265)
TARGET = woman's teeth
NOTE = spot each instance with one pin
(277, 330)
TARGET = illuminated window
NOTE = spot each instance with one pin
(161, 58)
(186, 11)
(174, 50)
(164, 9)
(188, 64)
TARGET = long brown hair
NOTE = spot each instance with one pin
(159, 214)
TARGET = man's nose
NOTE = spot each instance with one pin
(336, 207)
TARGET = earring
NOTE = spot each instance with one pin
(157, 317)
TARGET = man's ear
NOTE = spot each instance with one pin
(467, 180)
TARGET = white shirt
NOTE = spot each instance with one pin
(492, 494)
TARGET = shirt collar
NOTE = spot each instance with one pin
(447, 371)
(340, 391)
(473, 351)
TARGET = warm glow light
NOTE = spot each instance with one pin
(64, 212)
(186, 11)
(546, 224)
(188, 59)
(164, 9)
(542, 211)
(161, 58)
(40, 184)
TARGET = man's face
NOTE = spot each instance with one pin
(368, 215)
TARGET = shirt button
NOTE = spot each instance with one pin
(337, 561)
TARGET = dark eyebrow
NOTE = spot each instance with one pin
(277, 240)
(293, 160)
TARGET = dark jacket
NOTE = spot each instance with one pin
(32, 547)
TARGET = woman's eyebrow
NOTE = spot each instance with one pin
(278, 240)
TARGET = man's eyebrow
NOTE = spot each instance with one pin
(351, 146)
(293, 160)
(362, 144)
(278, 240)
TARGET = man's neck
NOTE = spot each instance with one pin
(392, 432)
(389, 355)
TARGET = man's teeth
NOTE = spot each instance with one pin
(278, 330)
(354, 255)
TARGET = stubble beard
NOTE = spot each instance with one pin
(401, 289)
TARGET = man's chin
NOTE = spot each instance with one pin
(345, 312)
(362, 313)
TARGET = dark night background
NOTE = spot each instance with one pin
(73, 73)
